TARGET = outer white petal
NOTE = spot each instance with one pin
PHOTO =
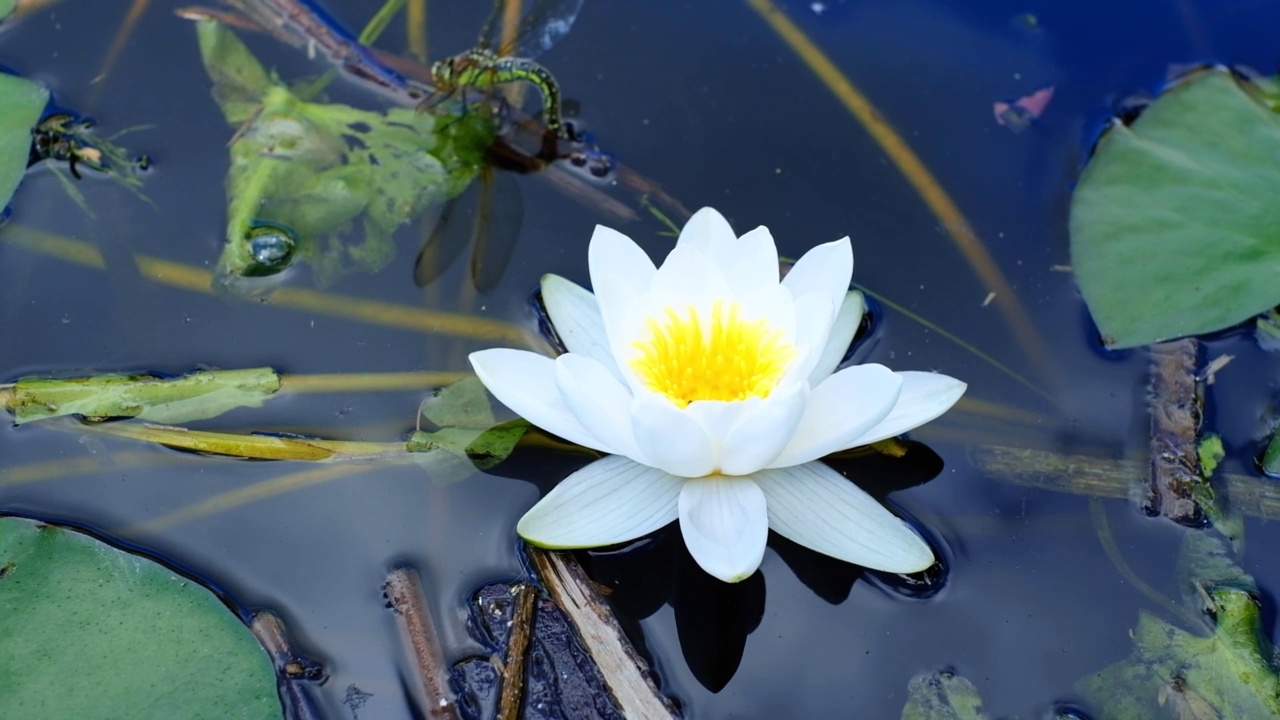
(576, 316)
(620, 271)
(725, 525)
(612, 500)
(763, 431)
(706, 228)
(599, 401)
(924, 396)
(526, 383)
(672, 439)
(843, 329)
(820, 509)
(841, 409)
(825, 269)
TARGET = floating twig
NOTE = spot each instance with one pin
(517, 651)
(294, 673)
(1176, 486)
(404, 592)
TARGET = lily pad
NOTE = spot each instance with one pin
(90, 631)
(1225, 674)
(7, 7)
(1174, 226)
(21, 103)
(196, 396)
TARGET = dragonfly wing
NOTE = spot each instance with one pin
(446, 241)
(544, 24)
(499, 217)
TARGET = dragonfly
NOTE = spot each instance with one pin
(484, 67)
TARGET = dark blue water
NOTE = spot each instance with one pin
(712, 105)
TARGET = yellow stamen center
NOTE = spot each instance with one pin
(688, 357)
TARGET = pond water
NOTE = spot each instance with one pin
(713, 105)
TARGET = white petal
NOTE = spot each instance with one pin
(620, 271)
(672, 439)
(841, 408)
(825, 269)
(526, 383)
(576, 317)
(813, 317)
(612, 500)
(840, 337)
(688, 272)
(725, 525)
(924, 396)
(822, 510)
(749, 263)
(599, 401)
(706, 228)
(763, 430)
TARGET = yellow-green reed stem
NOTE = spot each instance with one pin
(973, 350)
(243, 496)
(186, 277)
(416, 21)
(379, 22)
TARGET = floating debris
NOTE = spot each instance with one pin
(1020, 113)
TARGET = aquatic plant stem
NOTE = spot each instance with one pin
(186, 277)
(916, 173)
(1099, 514)
(415, 18)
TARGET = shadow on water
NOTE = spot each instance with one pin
(718, 110)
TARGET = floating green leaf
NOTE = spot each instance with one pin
(942, 696)
(1227, 673)
(466, 425)
(197, 396)
(90, 631)
(7, 7)
(21, 103)
(324, 182)
(1174, 223)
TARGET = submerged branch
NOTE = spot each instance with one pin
(623, 669)
(1107, 478)
(403, 590)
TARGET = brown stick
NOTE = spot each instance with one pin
(1176, 483)
(291, 669)
(404, 591)
(517, 649)
(623, 669)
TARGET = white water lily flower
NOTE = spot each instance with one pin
(714, 387)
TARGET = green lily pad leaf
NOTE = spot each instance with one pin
(325, 183)
(7, 7)
(463, 404)
(942, 696)
(1226, 674)
(466, 428)
(1173, 223)
(196, 396)
(21, 103)
(91, 631)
